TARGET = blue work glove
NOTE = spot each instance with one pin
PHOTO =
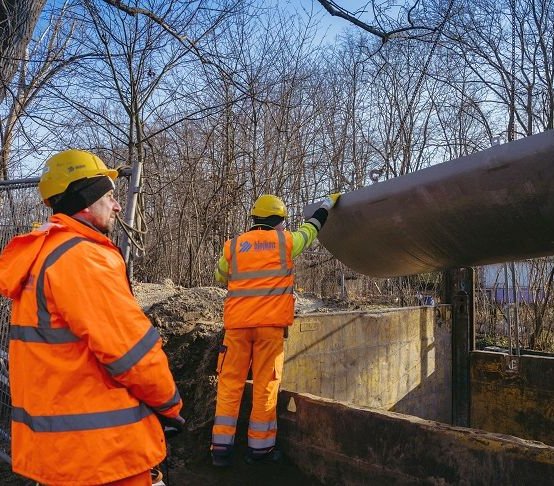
(330, 201)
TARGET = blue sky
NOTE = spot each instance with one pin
(328, 26)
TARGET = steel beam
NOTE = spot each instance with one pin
(492, 206)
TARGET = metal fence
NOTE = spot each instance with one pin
(20, 209)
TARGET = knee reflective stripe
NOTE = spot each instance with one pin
(225, 420)
(261, 443)
(223, 439)
(263, 426)
(224, 430)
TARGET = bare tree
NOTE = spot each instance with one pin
(17, 22)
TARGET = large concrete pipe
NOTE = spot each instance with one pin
(492, 206)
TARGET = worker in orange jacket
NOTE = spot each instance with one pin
(89, 380)
(257, 267)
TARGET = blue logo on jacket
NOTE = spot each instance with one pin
(245, 246)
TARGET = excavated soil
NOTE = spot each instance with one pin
(190, 323)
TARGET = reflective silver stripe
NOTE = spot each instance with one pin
(315, 222)
(305, 237)
(281, 272)
(43, 314)
(234, 265)
(135, 354)
(260, 292)
(282, 249)
(223, 439)
(225, 420)
(167, 405)
(80, 421)
(30, 334)
(261, 443)
(263, 426)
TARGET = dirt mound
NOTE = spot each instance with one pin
(191, 327)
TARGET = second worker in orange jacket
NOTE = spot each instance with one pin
(257, 267)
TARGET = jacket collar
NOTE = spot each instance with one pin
(79, 227)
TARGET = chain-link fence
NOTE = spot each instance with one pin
(20, 209)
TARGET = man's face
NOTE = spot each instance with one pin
(102, 213)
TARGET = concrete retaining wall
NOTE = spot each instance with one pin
(513, 395)
(341, 444)
(397, 360)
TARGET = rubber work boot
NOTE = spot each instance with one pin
(255, 457)
(221, 460)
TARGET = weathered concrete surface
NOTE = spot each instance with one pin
(516, 400)
(341, 444)
(397, 360)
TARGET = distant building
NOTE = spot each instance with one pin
(529, 282)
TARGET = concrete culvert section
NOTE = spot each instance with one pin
(346, 373)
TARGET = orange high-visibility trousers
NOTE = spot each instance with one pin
(262, 349)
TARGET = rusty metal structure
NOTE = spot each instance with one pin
(492, 206)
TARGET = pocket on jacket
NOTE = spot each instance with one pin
(221, 358)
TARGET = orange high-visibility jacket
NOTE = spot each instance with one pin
(86, 366)
(260, 280)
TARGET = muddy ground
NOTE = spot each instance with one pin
(190, 323)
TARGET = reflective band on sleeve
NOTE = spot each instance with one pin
(281, 272)
(305, 237)
(315, 222)
(42, 309)
(134, 355)
(30, 334)
(225, 420)
(167, 405)
(80, 421)
(261, 443)
(260, 292)
(263, 426)
(223, 439)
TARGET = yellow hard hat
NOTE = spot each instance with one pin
(267, 205)
(68, 166)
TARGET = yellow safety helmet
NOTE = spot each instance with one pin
(68, 166)
(268, 205)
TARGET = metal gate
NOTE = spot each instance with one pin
(20, 209)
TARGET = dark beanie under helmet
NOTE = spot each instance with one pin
(272, 220)
(80, 194)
